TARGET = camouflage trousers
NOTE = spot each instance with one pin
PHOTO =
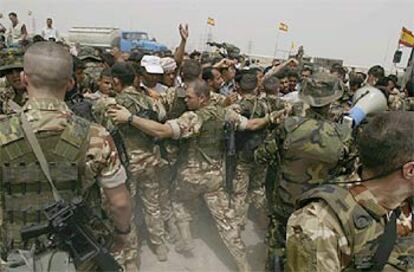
(153, 187)
(248, 189)
(205, 180)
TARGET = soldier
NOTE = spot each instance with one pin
(11, 87)
(201, 174)
(358, 228)
(143, 155)
(248, 174)
(304, 152)
(92, 68)
(74, 149)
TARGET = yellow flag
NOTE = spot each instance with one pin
(407, 37)
(211, 21)
(293, 45)
(283, 27)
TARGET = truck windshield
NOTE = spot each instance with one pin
(135, 36)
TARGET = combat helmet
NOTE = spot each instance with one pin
(10, 59)
(88, 53)
(321, 90)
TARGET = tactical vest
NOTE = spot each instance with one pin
(24, 188)
(361, 228)
(139, 105)
(310, 152)
(248, 141)
(178, 106)
(209, 143)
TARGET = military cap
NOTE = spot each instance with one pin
(10, 59)
(321, 90)
(88, 52)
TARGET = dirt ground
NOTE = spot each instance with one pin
(209, 253)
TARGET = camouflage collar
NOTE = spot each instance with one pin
(130, 89)
(249, 96)
(366, 199)
(46, 104)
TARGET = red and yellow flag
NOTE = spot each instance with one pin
(407, 37)
(283, 27)
(211, 21)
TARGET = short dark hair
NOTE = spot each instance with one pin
(200, 88)
(208, 73)
(306, 68)
(190, 70)
(105, 73)
(271, 84)
(409, 86)
(37, 38)
(386, 142)
(293, 74)
(124, 72)
(13, 14)
(248, 82)
(377, 71)
(49, 19)
(107, 58)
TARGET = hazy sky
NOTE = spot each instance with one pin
(362, 32)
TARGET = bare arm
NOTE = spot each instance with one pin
(24, 32)
(278, 68)
(120, 206)
(179, 53)
(120, 115)
(152, 128)
(257, 123)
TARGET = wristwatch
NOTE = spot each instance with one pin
(130, 119)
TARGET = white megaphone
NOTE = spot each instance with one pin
(367, 100)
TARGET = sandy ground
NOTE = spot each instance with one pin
(210, 253)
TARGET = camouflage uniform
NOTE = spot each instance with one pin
(76, 147)
(92, 69)
(322, 237)
(10, 59)
(302, 153)
(201, 173)
(249, 176)
(145, 161)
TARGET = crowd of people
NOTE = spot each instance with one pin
(142, 136)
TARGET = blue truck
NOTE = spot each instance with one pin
(108, 37)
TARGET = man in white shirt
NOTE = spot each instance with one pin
(49, 32)
(17, 33)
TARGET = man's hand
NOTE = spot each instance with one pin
(183, 32)
(119, 114)
(231, 99)
(276, 117)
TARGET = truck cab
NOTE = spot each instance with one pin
(137, 39)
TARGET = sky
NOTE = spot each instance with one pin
(361, 32)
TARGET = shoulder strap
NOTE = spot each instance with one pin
(386, 242)
(34, 144)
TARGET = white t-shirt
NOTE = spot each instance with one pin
(48, 33)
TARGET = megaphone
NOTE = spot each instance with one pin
(367, 100)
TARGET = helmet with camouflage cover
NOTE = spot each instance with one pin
(88, 52)
(321, 90)
(10, 59)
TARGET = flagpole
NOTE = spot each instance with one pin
(276, 43)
